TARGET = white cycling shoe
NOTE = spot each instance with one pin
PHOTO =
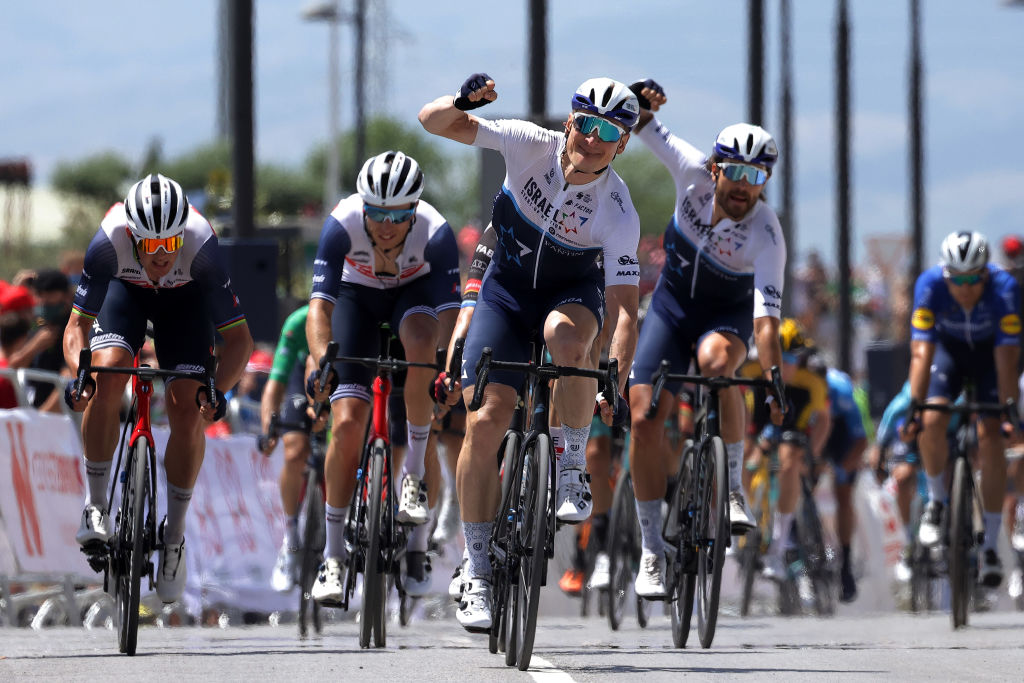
(95, 526)
(600, 578)
(474, 611)
(741, 516)
(650, 580)
(172, 570)
(573, 504)
(282, 579)
(412, 505)
(327, 589)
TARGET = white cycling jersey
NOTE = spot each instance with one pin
(726, 262)
(550, 232)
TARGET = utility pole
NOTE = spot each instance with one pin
(240, 105)
(788, 152)
(538, 58)
(755, 62)
(916, 145)
(843, 182)
(359, 20)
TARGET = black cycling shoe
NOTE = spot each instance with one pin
(848, 592)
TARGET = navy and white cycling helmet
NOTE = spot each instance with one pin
(609, 99)
(390, 179)
(964, 251)
(746, 143)
(156, 208)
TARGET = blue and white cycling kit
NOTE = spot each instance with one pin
(965, 339)
(847, 426)
(550, 235)
(116, 291)
(344, 273)
(716, 278)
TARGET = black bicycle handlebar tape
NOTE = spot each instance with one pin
(84, 363)
(483, 369)
(778, 388)
(455, 368)
(611, 387)
(658, 383)
(330, 353)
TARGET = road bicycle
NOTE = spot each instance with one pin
(624, 551)
(964, 532)
(697, 526)
(376, 539)
(524, 529)
(313, 530)
(125, 558)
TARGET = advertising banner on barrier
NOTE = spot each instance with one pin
(42, 488)
(233, 531)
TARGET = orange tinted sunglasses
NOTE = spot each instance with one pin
(168, 244)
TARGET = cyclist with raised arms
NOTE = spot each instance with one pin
(559, 208)
(153, 259)
(385, 255)
(965, 326)
(285, 393)
(724, 260)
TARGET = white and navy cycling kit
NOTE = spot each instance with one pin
(185, 306)
(550, 235)
(715, 276)
(965, 340)
(344, 274)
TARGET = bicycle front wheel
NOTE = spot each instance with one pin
(621, 539)
(961, 532)
(533, 542)
(128, 555)
(374, 585)
(313, 539)
(713, 534)
(816, 561)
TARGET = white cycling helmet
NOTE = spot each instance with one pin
(746, 143)
(156, 208)
(390, 179)
(607, 98)
(964, 251)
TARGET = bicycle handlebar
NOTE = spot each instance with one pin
(544, 371)
(330, 353)
(145, 373)
(455, 367)
(662, 375)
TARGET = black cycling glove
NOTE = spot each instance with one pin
(638, 88)
(474, 82)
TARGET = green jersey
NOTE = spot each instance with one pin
(291, 347)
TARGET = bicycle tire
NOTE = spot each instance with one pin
(497, 640)
(681, 609)
(683, 585)
(536, 483)
(313, 539)
(373, 570)
(620, 551)
(749, 556)
(129, 555)
(961, 534)
(510, 627)
(815, 554)
(714, 530)
(389, 544)
(510, 606)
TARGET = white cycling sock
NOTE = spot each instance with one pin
(97, 474)
(649, 514)
(335, 532)
(178, 500)
(993, 520)
(416, 453)
(419, 539)
(734, 456)
(478, 538)
(291, 532)
(780, 532)
(575, 453)
(936, 487)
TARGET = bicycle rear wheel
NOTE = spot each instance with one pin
(313, 539)
(373, 568)
(685, 584)
(713, 534)
(961, 532)
(129, 553)
(622, 562)
(533, 538)
(815, 554)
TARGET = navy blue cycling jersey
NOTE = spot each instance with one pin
(937, 317)
(842, 404)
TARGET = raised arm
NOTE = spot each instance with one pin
(446, 116)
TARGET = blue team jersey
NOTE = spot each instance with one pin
(842, 404)
(938, 317)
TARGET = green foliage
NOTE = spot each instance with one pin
(650, 186)
(101, 177)
(196, 170)
(281, 190)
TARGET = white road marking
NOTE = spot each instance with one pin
(543, 671)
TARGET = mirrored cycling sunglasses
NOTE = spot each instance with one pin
(168, 244)
(606, 130)
(738, 172)
(963, 278)
(379, 215)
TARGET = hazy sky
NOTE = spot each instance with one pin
(79, 78)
